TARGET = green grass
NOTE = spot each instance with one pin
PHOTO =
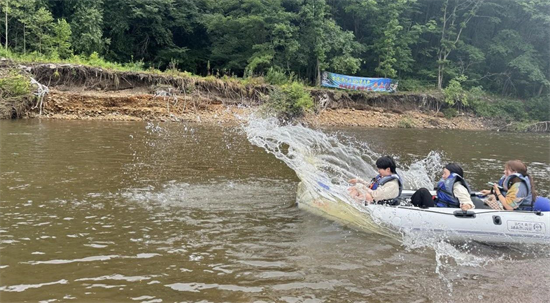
(94, 60)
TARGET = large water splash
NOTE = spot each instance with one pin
(329, 160)
(325, 162)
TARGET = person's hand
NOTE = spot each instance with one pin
(485, 192)
(353, 181)
(465, 207)
(368, 198)
(496, 190)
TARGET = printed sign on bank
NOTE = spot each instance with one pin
(358, 83)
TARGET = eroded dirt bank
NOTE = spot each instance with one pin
(87, 93)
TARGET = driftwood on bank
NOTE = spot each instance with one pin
(539, 127)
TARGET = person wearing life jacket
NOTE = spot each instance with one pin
(515, 190)
(452, 191)
(385, 187)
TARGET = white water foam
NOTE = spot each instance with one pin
(325, 162)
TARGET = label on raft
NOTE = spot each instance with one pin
(528, 227)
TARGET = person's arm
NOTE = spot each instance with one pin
(508, 202)
(485, 192)
(388, 191)
(358, 180)
(463, 196)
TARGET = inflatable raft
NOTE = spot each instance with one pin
(453, 224)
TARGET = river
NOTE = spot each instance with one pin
(138, 212)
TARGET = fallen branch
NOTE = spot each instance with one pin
(540, 127)
(41, 92)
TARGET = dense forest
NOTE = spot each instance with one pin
(496, 46)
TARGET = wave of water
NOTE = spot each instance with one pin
(325, 162)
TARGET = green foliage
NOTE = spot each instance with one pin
(539, 108)
(415, 85)
(87, 25)
(406, 122)
(14, 85)
(40, 26)
(419, 42)
(454, 93)
(450, 112)
(264, 60)
(510, 110)
(290, 100)
(277, 76)
(519, 126)
(61, 41)
(513, 109)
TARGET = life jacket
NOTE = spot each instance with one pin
(501, 181)
(526, 203)
(445, 191)
(379, 181)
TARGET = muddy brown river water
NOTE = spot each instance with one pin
(136, 212)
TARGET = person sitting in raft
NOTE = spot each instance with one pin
(387, 186)
(452, 191)
(515, 190)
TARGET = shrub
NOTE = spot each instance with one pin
(454, 93)
(276, 76)
(450, 112)
(539, 108)
(406, 122)
(512, 109)
(5, 53)
(14, 85)
(519, 126)
(290, 100)
(415, 85)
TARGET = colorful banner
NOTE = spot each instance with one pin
(358, 83)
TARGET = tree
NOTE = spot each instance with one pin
(148, 29)
(40, 26)
(323, 43)
(87, 26)
(6, 22)
(456, 15)
(248, 35)
(62, 38)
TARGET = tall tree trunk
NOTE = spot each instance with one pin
(440, 74)
(441, 49)
(318, 73)
(6, 15)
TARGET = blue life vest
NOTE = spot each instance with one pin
(526, 203)
(501, 181)
(445, 191)
(379, 181)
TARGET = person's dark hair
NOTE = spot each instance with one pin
(385, 162)
(455, 168)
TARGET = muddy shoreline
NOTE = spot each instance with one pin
(88, 93)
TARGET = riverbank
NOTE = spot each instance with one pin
(133, 106)
(89, 93)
